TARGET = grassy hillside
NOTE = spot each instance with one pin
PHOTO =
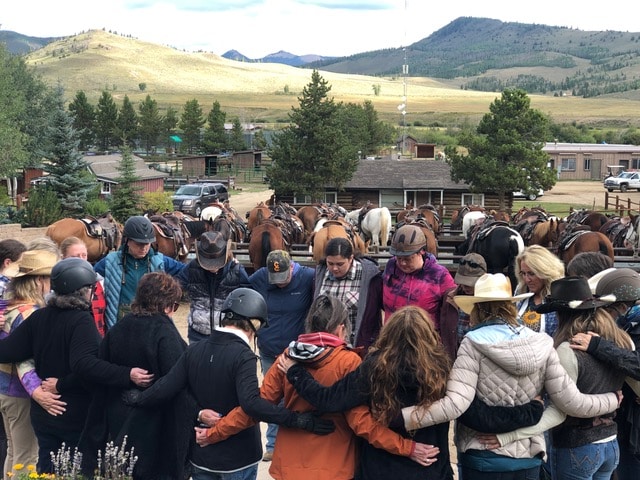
(98, 60)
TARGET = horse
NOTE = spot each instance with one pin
(257, 215)
(594, 220)
(470, 219)
(617, 230)
(544, 233)
(527, 212)
(230, 227)
(170, 241)
(431, 237)
(584, 241)
(333, 229)
(100, 234)
(374, 225)
(498, 244)
(459, 214)
(210, 213)
(265, 237)
(633, 234)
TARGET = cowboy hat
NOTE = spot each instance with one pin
(572, 293)
(211, 250)
(624, 283)
(490, 287)
(36, 262)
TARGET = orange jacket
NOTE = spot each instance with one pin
(300, 454)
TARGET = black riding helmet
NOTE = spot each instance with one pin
(71, 274)
(139, 229)
(246, 304)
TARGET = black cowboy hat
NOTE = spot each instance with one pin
(571, 293)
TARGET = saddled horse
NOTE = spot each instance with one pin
(528, 212)
(100, 234)
(618, 230)
(257, 215)
(594, 220)
(374, 225)
(470, 219)
(544, 233)
(265, 237)
(230, 227)
(459, 213)
(498, 244)
(584, 241)
(333, 229)
(311, 214)
(432, 240)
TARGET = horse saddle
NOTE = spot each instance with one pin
(617, 233)
(93, 227)
(485, 229)
(569, 240)
(168, 229)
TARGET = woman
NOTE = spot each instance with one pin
(357, 282)
(323, 350)
(536, 268)
(10, 252)
(62, 339)
(504, 364)
(75, 247)
(18, 381)
(208, 279)
(406, 365)
(624, 284)
(147, 338)
(413, 276)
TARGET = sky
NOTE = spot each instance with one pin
(257, 28)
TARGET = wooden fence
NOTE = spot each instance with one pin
(620, 205)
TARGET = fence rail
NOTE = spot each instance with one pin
(620, 205)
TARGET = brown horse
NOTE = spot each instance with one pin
(544, 233)
(333, 229)
(232, 228)
(432, 239)
(257, 215)
(584, 241)
(101, 234)
(265, 237)
(594, 220)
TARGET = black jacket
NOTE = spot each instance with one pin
(220, 373)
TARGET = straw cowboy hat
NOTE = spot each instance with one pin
(572, 293)
(35, 262)
(490, 287)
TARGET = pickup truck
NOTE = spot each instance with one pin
(623, 181)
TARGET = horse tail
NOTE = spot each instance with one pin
(385, 226)
(516, 247)
(265, 247)
(605, 247)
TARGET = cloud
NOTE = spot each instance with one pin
(346, 5)
(202, 6)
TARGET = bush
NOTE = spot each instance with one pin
(157, 202)
(96, 207)
(43, 207)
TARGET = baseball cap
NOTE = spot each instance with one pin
(471, 267)
(278, 266)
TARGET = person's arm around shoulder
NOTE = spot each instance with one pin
(625, 360)
(173, 267)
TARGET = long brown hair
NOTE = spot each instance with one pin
(502, 309)
(407, 342)
(599, 321)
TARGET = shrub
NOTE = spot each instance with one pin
(157, 201)
(43, 207)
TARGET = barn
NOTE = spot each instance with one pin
(394, 183)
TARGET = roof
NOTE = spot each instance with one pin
(391, 174)
(104, 167)
(553, 147)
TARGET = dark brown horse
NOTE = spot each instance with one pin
(265, 237)
(232, 228)
(257, 215)
(101, 234)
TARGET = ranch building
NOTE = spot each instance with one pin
(591, 161)
(395, 183)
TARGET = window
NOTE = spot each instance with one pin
(105, 188)
(635, 163)
(330, 197)
(301, 199)
(568, 164)
(473, 199)
(587, 164)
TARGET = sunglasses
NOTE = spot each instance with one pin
(472, 264)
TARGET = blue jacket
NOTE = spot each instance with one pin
(287, 308)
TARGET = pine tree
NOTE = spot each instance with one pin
(191, 122)
(236, 141)
(106, 121)
(150, 123)
(215, 136)
(126, 199)
(84, 115)
(69, 177)
(127, 122)
(314, 152)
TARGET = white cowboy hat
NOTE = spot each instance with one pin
(489, 288)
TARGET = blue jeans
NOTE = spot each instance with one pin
(272, 429)
(595, 461)
(528, 474)
(249, 473)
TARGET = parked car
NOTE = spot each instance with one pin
(528, 196)
(623, 181)
(193, 197)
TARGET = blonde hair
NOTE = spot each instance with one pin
(504, 310)
(596, 320)
(547, 267)
(69, 242)
(408, 342)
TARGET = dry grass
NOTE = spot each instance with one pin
(98, 60)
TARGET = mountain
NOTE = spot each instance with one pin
(18, 44)
(283, 57)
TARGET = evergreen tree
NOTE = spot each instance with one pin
(69, 177)
(84, 115)
(259, 140)
(151, 124)
(191, 122)
(169, 124)
(106, 121)
(236, 141)
(313, 152)
(215, 136)
(505, 154)
(126, 198)
(128, 122)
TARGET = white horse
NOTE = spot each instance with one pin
(209, 214)
(470, 219)
(375, 225)
(632, 238)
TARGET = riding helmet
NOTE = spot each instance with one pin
(247, 304)
(139, 229)
(71, 274)
(408, 239)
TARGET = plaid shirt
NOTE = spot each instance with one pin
(346, 289)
